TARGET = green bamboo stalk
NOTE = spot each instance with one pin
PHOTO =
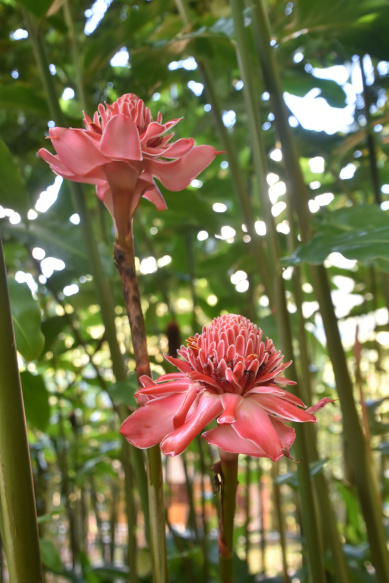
(255, 245)
(228, 469)
(103, 290)
(280, 520)
(17, 501)
(364, 472)
(309, 514)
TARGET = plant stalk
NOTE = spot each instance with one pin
(102, 287)
(125, 260)
(309, 515)
(364, 472)
(19, 522)
(227, 470)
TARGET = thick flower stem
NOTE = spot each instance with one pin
(365, 477)
(228, 472)
(17, 501)
(125, 261)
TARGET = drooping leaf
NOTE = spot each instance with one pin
(50, 556)
(26, 319)
(36, 400)
(13, 192)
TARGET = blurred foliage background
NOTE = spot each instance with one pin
(201, 258)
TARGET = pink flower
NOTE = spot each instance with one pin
(121, 151)
(228, 374)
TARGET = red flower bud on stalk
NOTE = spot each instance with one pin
(230, 374)
(121, 151)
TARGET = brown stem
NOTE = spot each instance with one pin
(125, 262)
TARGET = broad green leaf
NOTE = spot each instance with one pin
(300, 83)
(13, 192)
(360, 232)
(36, 400)
(26, 318)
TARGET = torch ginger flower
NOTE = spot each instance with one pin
(228, 374)
(121, 151)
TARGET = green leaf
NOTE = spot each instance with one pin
(291, 478)
(300, 83)
(26, 319)
(51, 557)
(360, 232)
(36, 400)
(13, 192)
(37, 7)
(122, 393)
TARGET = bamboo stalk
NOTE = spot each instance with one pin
(19, 523)
(364, 472)
(102, 287)
(255, 245)
(309, 515)
(280, 520)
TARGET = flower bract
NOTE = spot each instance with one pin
(228, 373)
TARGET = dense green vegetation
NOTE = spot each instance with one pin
(283, 219)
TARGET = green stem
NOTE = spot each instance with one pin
(17, 501)
(103, 289)
(280, 520)
(255, 244)
(125, 261)
(309, 514)
(363, 471)
(228, 471)
(374, 173)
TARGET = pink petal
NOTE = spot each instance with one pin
(179, 149)
(273, 389)
(76, 150)
(230, 402)
(120, 139)
(322, 403)
(253, 423)
(169, 387)
(180, 364)
(203, 378)
(181, 415)
(173, 376)
(286, 434)
(282, 408)
(148, 425)
(209, 407)
(154, 195)
(178, 174)
(227, 439)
